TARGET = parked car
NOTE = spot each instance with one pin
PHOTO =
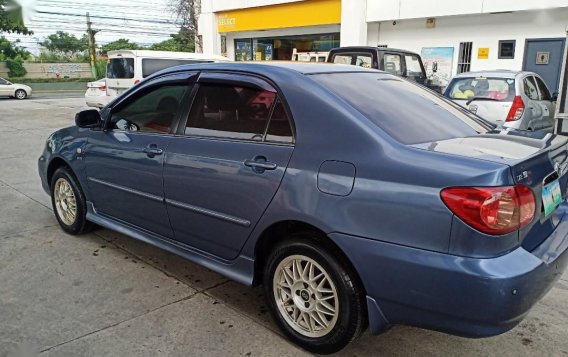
(513, 99)
(401, 63)
(127, 68)
(313, 56)
(356, 197)
(96, 95)
(14, 90)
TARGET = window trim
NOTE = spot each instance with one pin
(224, 77)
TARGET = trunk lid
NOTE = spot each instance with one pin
(534, 162)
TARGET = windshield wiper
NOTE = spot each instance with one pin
(480, 98)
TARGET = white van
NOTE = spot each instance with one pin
(126, 68)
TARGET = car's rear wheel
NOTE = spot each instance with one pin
(68, 201)
(313, 296)
(21, 94)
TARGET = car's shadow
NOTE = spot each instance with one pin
(400, 340)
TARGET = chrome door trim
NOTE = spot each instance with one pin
(207, 212)
(127, 189)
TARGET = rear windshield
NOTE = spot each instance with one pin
(406, 111)
(120, 68)
(499, 89)
(153, 65)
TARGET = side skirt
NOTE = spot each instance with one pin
(241, 269)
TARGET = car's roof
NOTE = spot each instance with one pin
(273, 66)
(499, 73)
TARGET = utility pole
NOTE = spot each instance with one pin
(92, 50)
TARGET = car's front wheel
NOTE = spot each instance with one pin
(313, 296)
(68, 201)
(21, 94)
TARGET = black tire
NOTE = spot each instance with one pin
(80, 224)
(351, 318)
(20, 94)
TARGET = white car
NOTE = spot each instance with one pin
(96, 95)
(514, 99)
(14, 90)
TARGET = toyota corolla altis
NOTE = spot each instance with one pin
(356, 198)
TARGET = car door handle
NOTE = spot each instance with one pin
(259, 164)
(153, 150)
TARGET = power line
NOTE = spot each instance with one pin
(105, 17)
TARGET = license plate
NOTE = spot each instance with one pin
(551, 197)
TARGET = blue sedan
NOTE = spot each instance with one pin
(358, 199)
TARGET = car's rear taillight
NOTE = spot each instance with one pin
(517, 109)
(492, 210)
(102, 88)
(136, 82)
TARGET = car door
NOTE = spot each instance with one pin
(226, 165)
(545, 102)
(124, 162)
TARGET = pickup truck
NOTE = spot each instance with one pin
(398, 62)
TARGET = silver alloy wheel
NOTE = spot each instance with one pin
(20, 94)
(65, 201)
(305, 296)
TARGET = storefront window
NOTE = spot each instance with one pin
(281, 48)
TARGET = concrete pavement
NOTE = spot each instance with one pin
(104, 294)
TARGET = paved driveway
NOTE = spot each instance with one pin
(104, 294)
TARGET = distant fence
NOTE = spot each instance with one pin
(52, 70)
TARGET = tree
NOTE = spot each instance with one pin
(66, 43)
(187, 12)
(177, 43)
(11, 49)
(11, 19)
(120, 44)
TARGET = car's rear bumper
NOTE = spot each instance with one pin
(458, 295)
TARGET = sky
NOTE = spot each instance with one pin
(141, 21)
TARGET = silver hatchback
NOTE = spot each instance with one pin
(514, 99)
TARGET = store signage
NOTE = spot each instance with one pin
(483, 53)
(295, 14)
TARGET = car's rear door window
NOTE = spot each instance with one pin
(120, 68)
(496, 89)
(230, 111)
(392, 63)
(404, 110)
(356, 59)
(530, 88)
(413, 67)
(544, 94)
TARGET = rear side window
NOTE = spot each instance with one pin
(153, 65)
(356, 59)
(413, 67)
(404, 110)
(499, 89)
(120, 68)
(392, 64)
(529, 86)
(235, 112)
(544, 93)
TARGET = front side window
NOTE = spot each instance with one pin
(236, 112)
(529, 86)
(498, 89)
(120, 68)
(154, 111)
(413, 67)
(544, 93)
(404, 110)
(392, 64)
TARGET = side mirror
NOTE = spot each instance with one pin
(88, 119)
(554, 97)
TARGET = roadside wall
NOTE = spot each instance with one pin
(52, 70)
